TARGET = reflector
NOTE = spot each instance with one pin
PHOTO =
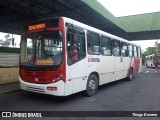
(51, 88)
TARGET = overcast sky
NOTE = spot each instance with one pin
(130, 7)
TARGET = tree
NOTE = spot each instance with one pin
(7, 41)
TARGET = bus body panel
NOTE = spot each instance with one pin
(108, 68)
(119, 67)
(76, 77)
(42, 88)
(135, 65)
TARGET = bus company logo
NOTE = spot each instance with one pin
(21, 114)
(93, 60)
(6, 114)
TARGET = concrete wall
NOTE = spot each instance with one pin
(8, 75)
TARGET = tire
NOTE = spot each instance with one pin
(147, 65)
(130, 75)
(92, 86)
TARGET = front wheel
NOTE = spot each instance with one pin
(92, 85)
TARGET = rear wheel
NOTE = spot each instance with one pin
(130, 75)
(92, 85)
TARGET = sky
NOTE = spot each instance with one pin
(17, 38)
(130, 7)
(123, 8)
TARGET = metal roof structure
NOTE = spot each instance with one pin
(140, 23)
(144, 26)
(14, 14)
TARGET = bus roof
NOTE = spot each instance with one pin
(87, 27)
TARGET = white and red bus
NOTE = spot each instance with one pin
(150, 60)
(49, 65)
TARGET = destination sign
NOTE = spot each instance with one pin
(37, 26)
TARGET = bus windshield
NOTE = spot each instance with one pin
(41, 49)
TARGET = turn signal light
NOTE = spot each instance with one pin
(57, 78)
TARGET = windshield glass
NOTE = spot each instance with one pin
(41, 49)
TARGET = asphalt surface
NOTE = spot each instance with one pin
(140, 94)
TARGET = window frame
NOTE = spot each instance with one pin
(126, 50)
(135, 49)
(139, 52)
(91, 43)
(75, 30)
(130, 50)
(113, 47)
(110, 47)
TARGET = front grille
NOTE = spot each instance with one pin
(35, 73)
(39, 77)
(33, 89)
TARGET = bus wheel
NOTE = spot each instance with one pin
(147, 66)
(92, 85)
(130, 75)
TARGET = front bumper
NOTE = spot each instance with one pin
(42, 88)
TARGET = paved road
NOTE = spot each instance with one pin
(140, 94)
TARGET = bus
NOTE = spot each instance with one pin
(150, 60)
(61, 56)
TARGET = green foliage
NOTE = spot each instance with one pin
(6, 42)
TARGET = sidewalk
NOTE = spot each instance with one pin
(11, 87)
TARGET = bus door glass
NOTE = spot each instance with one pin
(76, 54)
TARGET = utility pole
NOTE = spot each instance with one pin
(12, 40)
(157, 45)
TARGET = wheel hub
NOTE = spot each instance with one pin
(92, 85)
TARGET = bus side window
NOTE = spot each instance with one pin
(93, 43)
(116, 48)
(80, 43)
(135, 52)
(124, 49)
(130, 49)
(139, 52)
(106, 46)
